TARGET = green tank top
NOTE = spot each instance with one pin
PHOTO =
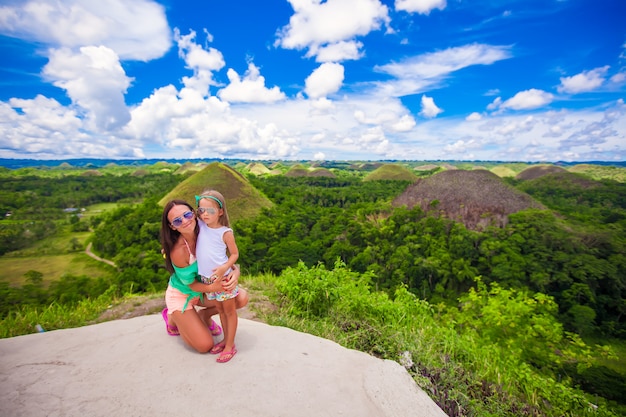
(182, 278)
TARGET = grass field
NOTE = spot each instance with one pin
(57, 255)
(52, 267)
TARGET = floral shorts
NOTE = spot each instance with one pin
(220, 295)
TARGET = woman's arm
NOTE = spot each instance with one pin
(202, 287)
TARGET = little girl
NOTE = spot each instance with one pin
(216, 253)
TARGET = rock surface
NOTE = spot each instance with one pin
(133, 368)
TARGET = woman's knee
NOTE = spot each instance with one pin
(242, 298)
(202, 346)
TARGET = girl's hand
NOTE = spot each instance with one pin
(231, 280)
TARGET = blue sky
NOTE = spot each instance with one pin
(506, 80)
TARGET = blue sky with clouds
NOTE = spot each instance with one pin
(506, 80)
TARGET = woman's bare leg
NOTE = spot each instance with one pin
(242, 298)
(193, 330)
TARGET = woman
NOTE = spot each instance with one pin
(179, 232)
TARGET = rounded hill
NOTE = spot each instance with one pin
(391, 172)
(475, 198)
(538, 171)
(242, 199)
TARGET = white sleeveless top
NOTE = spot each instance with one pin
(211, 249)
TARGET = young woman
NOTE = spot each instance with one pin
(179, 234)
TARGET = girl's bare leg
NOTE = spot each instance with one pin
(240, 301)
(229, 323)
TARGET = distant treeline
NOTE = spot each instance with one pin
(98, 163)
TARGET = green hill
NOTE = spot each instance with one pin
(391, 172)
(242, 199)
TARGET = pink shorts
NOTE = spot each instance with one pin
(175, 300)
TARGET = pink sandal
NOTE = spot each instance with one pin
(226, 356)
(215, 328)
(171, 330)
(218, 347)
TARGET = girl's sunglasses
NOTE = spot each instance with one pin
(207, 210)
(188, 215)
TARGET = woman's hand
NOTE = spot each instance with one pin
(231, 280)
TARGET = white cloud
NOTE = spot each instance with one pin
(474, 117)
(524, 100)
(584, 82)
(337, 52)
(461, 147)
(618, 78)
(134, 29)
(316, 23)
(416, 74)
(404, 124)
(203, 62)
(325, 80)
(95, 81)
(44, 127)
(249, 89)
(429, 108)
(420, 6)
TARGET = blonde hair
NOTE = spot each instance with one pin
(219, 199)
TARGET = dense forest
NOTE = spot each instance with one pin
(574, 252)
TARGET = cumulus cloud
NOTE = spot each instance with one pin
(325, 80)
(474, 117)
(584, 82)
(317, 25)
(134, 29)
(95, 81)
(429, 108)
(44, 127)
(203, 62)
(524, 100)
(461, 147)
(420, 6)
(250, 88)
(337, 52)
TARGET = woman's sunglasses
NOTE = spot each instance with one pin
(188, 215)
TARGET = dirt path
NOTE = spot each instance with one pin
(96, 257)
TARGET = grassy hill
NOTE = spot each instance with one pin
(242, 199)
(475, 198)
(538, 171)
(391, 172)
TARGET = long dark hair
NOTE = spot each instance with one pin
(169, 236)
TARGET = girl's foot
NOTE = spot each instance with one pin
(226, 356)
(218, 347)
